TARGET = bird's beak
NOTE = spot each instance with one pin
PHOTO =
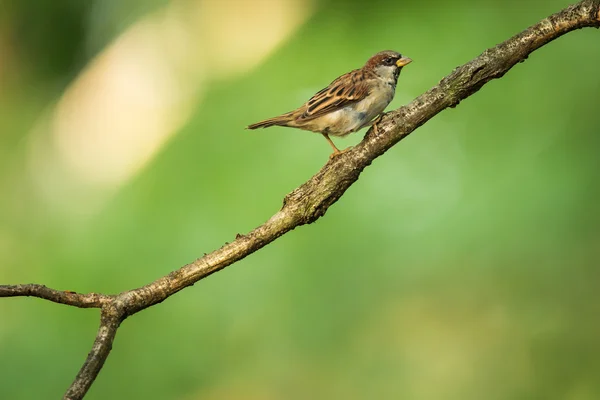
(403, 61)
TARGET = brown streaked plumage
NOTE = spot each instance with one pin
(349, 103)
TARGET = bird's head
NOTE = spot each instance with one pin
(387, 64)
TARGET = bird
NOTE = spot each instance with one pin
(351, 102)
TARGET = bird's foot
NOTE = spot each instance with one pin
(338, 152)
(375, 122)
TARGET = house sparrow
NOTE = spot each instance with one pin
(349, 103)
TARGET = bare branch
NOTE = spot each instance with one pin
(89, 300)
(311, 200)
(110, 320)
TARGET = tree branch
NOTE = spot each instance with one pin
(110, 319)
(311, 200)
(90, 300)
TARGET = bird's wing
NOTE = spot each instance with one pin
(345, 90)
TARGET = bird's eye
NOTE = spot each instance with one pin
(389, 60)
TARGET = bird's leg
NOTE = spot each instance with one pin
(336, 151)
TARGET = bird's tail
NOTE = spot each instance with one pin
(281, 120)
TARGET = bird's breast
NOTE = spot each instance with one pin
(358, 115)
(375, 102)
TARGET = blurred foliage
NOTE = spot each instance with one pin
(462, 265)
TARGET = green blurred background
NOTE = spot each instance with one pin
(462, 265)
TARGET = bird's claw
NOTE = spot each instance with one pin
(375, 122)
(338, 153)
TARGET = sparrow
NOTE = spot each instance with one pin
(351, 102)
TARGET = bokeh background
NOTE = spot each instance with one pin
(464, 264)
